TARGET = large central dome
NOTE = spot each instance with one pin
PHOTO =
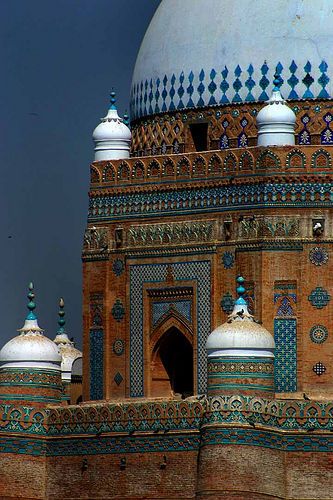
(205, 52)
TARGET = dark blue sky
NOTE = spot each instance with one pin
(59, 60)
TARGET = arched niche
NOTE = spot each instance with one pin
(171, 367)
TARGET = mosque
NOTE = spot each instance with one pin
(207, 264)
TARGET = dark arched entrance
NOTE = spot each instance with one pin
(172, 365)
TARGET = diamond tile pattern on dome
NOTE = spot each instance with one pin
(156, 273)
(229, 84)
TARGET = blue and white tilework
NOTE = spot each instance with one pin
(123, 206)
(183, 307)
(228, 85)
(285, 363)
(156, 273)
(96, 348)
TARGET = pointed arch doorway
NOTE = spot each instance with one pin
(171, 367)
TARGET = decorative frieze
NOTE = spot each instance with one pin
(171, 233)
(269, 227)
(96, 239)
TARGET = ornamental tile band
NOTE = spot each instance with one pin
(233, 84)
(319, 297)
(318, 256)
(204, 199)
(318, 334)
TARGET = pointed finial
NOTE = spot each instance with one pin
(126, 118)
(31, 304)
(113, 100)
(61, 320)
(277, 82)
(240, 291)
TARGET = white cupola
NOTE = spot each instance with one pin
(30, 349)
(240, 354)
(276, 121)
(112, 137)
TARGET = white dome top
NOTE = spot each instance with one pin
(190, 43)
(30, 349)
(112, 137)
(276, 122)
(241, 335)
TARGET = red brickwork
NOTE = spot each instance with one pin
(144, 476)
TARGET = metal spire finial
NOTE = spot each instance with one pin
(31, 304)
(113, 100)
(126, 119)
(240, 291)
(61, 320)
(277, 82)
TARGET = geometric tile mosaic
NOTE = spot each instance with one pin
(319, 368)
(285, 363)
(96, 364)
(118, 347)
(156, 273)
(118, 311)
(106, 207)
(118, 267)
(228, 260)
(285, 308)
(183, 307)
(319, 297)
(118, 378)
(318, 256)
(223, 85)
(227, 303)
(318, 334)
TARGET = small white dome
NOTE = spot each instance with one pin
(112, 137)
(276, 121)
(241, 335)
(30, 349)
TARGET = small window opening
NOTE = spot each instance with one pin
(199, 133)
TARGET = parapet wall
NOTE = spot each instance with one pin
(221, 447)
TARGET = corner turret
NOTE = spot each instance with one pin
(240, 354)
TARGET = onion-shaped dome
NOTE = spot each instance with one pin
(199, 53)
(241, 335)
(112, 136)
(30, 349)
(276, 121)
(66, 347)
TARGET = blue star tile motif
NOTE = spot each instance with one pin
(228, 260)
